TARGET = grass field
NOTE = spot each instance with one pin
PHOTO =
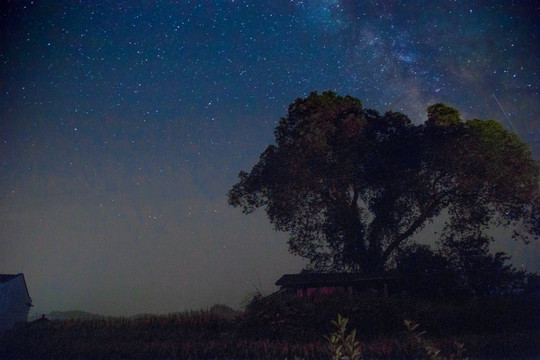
(287, 328)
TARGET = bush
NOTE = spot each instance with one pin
(284, 316)
(284, 326)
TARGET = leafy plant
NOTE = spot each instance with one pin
(432, 351)
(343, 345)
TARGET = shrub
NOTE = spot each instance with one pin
(343, 345)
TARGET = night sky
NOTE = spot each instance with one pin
(124, 123)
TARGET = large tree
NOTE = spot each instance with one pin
(351, 185)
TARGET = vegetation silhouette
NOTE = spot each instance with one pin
(352, 186)
(285, 327)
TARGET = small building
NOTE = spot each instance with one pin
(15, 301)
(310, 284)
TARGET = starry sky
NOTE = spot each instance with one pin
(124, 123)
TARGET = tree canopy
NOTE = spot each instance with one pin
(460, 267)
(351, 185)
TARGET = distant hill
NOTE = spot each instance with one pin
(72, 315)
(218, 309)
(223, 310)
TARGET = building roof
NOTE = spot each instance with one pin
(328, 279)
(5, 278)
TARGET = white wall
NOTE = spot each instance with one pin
(14, 303)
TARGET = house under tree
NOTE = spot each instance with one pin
(310, 284)
(15, 301)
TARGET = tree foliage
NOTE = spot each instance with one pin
(478, 272)
(459, 267)
(351, 185)
(425, 273)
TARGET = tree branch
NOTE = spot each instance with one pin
(416, 224)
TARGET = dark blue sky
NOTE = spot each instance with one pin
(124, 123)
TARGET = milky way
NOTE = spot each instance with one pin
(123, 124)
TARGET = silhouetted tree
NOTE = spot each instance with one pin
(457, 268)
(477, 271)
(351, 185)
(424, 272)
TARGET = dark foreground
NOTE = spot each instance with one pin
(284, 327)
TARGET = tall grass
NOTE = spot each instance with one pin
(285, 327)
(195, 335)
